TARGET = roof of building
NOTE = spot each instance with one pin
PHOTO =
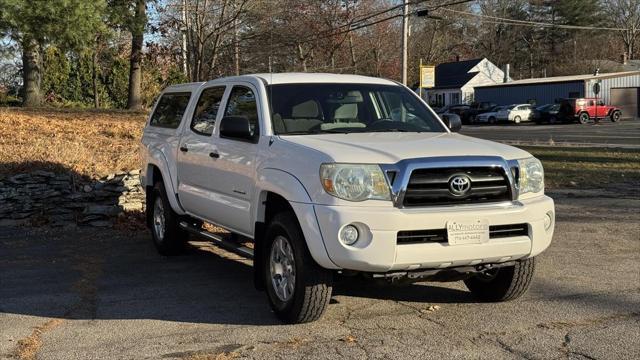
(455, 74)
(557, 79)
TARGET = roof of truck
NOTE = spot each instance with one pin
(297, 78)
(289, 78)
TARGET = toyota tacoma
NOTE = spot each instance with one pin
(321, 176)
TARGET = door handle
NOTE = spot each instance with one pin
(184, 148)
(214, 155)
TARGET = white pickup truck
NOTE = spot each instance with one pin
(339, 175)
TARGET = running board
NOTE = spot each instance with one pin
(218, 240)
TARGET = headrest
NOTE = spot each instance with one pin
(346, 111)
(308, 109)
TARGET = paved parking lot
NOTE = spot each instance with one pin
(83, 294)
(625, 134)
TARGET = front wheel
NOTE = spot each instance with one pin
(503, 284)
(615, 116)
(517, 119)
(492, 120)
(298, 289)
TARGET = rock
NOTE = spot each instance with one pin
(43, 173)
(134, 172)
(98, 185)
(106, 210)
(87, 188)
(13, 222)
(100, 223)
(132, 207)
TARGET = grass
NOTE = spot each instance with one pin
(91, 143)
(567, 167)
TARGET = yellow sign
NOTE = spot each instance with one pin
(427, 76)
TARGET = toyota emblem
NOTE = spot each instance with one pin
(459, 185)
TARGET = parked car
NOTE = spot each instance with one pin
(515, 113)
(490, 117)
(548, 113)
(340, 174)
(457, 109)
(584, 109)
(475, 109)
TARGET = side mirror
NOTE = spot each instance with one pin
(453, 122)
(236, 127)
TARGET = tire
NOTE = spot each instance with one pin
(167, 235)
(310, 293)
(553, 120)
(507, 283)
(517, 119)
(583, 118)
(615, 116)
(492, 120)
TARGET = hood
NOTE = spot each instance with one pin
(389, 148)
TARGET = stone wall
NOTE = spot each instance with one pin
(45, 198)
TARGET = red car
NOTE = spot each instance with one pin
(584, 109)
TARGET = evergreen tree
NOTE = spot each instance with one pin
(33, 24)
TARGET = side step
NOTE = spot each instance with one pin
(218, 240)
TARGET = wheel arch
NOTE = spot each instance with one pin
(277, 191)
(157, 171)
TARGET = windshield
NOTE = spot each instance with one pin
(299, 109)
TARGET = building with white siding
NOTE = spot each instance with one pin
(455, 81)
(621, 89)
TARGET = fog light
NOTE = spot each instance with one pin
(548, 220)
(349, 235)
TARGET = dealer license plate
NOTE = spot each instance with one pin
(469, 231)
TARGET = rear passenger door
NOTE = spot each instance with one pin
(196, 182)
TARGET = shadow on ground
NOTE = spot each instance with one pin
(108, 274)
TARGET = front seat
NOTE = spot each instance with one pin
(304, 117)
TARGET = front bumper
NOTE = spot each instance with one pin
(378, 251)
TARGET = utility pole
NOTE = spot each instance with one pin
(405, 38)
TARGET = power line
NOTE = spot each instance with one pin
(507, 21)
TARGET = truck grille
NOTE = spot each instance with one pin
(428, 187)
(440, 235)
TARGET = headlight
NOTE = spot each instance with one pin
(531, 176)
(354, 182)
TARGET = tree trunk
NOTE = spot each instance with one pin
(94, 75)
(32, 74)
(134, 101)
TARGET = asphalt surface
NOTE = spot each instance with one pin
(623, 134)
(106, 294)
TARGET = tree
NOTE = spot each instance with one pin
(131, 16)
(35, 24)
(626, 13)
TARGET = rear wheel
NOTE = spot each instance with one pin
(298, 289)
(492, 120)
(615, 116)
(553, 120)
(167, 235)
(583, 118)
(503, 284)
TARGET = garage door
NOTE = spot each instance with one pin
(627, 100)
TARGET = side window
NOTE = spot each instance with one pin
(204, 117)
(170, 110)
(591, 103)
(242, 102)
